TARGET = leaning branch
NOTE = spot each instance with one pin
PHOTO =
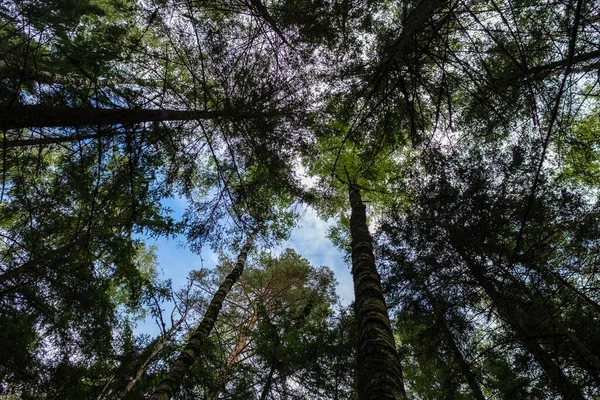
(40, 116)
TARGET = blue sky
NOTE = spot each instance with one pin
(308, 239)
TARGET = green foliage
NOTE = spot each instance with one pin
(278, 324)
(473, 138)
(581, 152)
(67, 269)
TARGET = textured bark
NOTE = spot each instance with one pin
(170, 385)
(379, 373)
(514, 316)
(39, 116)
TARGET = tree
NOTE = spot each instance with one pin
(466, 224)
(61, 262)
(465, 131)
(171, 383)
(31, 116)
(379, 373)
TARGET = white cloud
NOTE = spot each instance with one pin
(310, 241)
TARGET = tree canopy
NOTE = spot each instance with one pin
(454, 145)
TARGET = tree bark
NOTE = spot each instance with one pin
(192, 351)
(41, 116)
(379, 372)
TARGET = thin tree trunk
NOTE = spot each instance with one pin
(460, 359)
(542, 71)
(51, 256)
(573, 289)
(465, 367)
(44, 76)
(269, 383)
(379, 373)
(412, 26)
(40, 116)
(585, 357)
(155, 349)
(242, 342)
(16, 272)
(170, 385)
(516, 319)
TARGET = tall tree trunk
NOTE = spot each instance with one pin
(41, 116)
(141, 370)
(379, 373)
(465, 367)
(191, 353)
(242, 342)
(584, 356)
(517, 319)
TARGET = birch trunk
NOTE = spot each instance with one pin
(170, 385)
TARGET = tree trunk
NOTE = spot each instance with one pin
(267, 388)
(412, 26)
(465, 367)
(59, 255)
(379, 373)
(584, 356)
(542, 71)
(150, 354)
(157, 348)
(514, 316)
(40, 116)
(170, 385)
